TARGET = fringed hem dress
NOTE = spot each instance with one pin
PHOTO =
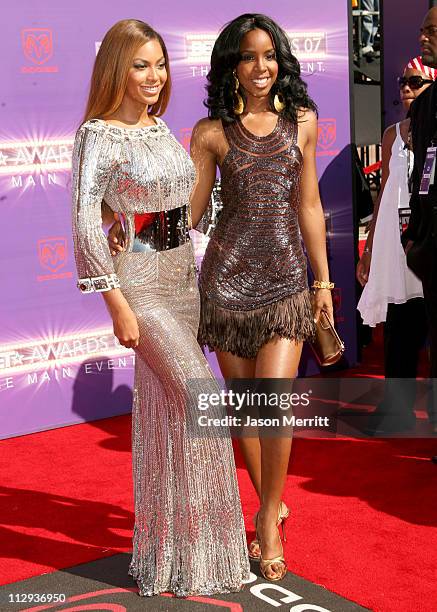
(253, 281)
(189, 536)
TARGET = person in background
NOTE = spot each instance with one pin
(420, 238)
(392, 293)
(370, 25)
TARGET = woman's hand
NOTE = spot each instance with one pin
(126, 327)
(116, 237)
(124, 320)
(363, 267)
(322, 300)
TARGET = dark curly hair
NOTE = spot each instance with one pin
(226, 55)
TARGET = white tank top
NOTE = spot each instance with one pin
(390, 280)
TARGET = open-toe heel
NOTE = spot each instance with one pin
(283, 514)
(264, 565)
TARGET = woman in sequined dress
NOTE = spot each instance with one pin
(261, 133)
(189, 534)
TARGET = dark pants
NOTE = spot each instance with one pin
(370, 23)
(430, 295)
(405, 332)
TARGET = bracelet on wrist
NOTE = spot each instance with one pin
(317, 284)
(367, 251)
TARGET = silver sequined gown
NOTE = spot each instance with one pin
(189, 534)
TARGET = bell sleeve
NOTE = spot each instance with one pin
(92, 164)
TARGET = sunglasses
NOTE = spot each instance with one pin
(413, 82)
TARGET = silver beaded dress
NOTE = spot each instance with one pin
(189, 534)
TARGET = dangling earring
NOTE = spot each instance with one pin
(278, 103)
(239, 102)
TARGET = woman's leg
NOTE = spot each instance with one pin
(279, 358)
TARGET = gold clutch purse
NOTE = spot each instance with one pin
(327, 344)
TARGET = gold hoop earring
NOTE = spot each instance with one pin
(239, 102)
(278, 103)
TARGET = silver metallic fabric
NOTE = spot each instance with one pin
(253, 281)
(189, 534)
(117, 165)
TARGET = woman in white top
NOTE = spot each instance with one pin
(392, 293)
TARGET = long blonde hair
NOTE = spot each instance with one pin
(111, 69)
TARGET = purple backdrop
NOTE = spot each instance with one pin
(59, 362)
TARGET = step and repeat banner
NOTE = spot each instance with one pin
(59, 361)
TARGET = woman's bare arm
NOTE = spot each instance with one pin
(204, 156)
(311, 217)
(363, 266)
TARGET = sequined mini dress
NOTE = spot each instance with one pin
(253, 281)
(189, 536)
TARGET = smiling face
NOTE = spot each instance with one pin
(258, 69)
(148, 74)
(407, 94)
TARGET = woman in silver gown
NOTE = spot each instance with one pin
(189, 534)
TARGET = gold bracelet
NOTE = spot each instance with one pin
(323, 285)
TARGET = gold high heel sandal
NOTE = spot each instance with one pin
(283, 514)
(264, 565)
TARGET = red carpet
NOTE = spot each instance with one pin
(363, 512)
